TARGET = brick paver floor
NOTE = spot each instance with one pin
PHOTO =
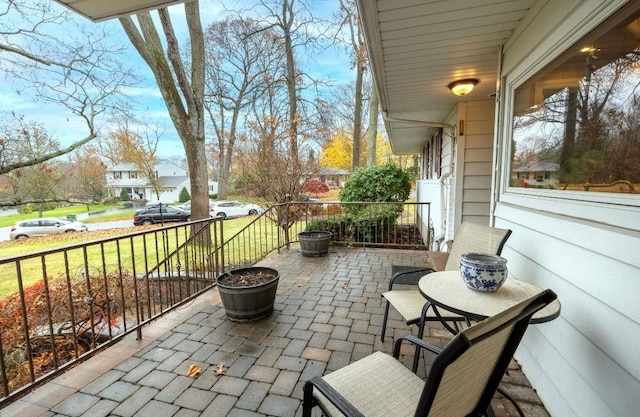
(328, 314)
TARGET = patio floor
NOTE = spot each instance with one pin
(328, 314)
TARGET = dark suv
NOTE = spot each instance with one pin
(160, 214)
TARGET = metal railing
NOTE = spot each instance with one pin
(383, 225)
(63, 304)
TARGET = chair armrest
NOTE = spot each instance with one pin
(418, 342)
(404, 277)
(341, 403)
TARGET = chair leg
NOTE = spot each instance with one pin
(307, 401)
(421, 324)
(384, 321)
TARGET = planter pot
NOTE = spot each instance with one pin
(248, 294)
(483, 272)
(314, 243)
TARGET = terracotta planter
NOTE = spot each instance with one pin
(314, 243)
(251, 301)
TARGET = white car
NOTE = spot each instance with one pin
(45, 226)
(233, 209)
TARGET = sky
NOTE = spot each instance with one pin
(58, 121)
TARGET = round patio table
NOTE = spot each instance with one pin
(447, 290)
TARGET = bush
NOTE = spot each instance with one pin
(384, 183)
(184, 195)
(127, 204)
(25, 209)
(124, 195)
(369, 224)
(110, 201)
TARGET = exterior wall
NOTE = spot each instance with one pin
(475, 158)
(583, 246)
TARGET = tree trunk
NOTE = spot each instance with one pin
(372, 132)
(357, 118)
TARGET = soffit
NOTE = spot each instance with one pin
(417, 47)
(98, 10)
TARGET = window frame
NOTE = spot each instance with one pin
(611, 208)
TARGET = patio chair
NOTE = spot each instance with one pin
(469, 237)
(462, 380)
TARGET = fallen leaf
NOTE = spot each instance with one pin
(194, 371)
(219, 369)
(345, 286)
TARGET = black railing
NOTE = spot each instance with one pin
(60, 306)
(383, 225)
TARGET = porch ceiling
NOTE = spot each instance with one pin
(417, 47)
(98, 10)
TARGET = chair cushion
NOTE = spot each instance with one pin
(383, 387)
(409, 304)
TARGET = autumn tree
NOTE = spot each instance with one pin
(139, 148)
(34, 183)
(241, 60)
(182, 90)
(315, 187)
(87, 175)
(79, 72)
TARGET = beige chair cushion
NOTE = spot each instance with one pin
(401, 392)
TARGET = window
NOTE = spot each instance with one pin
(576, 123)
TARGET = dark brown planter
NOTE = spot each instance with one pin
(247, 303)
(314, 243)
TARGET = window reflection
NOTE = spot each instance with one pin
(576, 123)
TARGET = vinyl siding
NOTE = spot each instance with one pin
(585, 363)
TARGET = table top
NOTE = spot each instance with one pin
(447, 290)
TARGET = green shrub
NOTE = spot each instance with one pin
(25, 209)
(370, 224)
(124, 195)
(184, 195)
(383, 183)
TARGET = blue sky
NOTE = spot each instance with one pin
(333, 64)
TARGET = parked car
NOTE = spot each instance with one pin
(186, 206)
(161, 214)
(45, 226)
(233, 209)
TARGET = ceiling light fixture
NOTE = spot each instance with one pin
(463, 87)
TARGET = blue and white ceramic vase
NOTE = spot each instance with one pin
(482, 271)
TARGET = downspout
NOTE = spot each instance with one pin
(445, 127)
(443, 187)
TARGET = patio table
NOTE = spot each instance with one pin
(447, 290)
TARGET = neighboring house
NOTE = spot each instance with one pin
(532, 62)
(333, 177)
(172, 177)
(539, 174)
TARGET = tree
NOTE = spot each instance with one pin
(315, 186)
(184, 195)
(82, 75)
(139, 149)
(182, 92)
(35, 183)
(241, 59)
(359, 50)
(338, 152)
(87, 180)
(372, 131)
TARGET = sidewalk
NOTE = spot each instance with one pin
(328, 314)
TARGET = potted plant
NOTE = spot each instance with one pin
(248, 294)
(314, 243)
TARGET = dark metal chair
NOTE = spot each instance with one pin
(409, 303)
(462, 380)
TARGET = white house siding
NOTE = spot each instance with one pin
(475, 156)
(585, 363)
